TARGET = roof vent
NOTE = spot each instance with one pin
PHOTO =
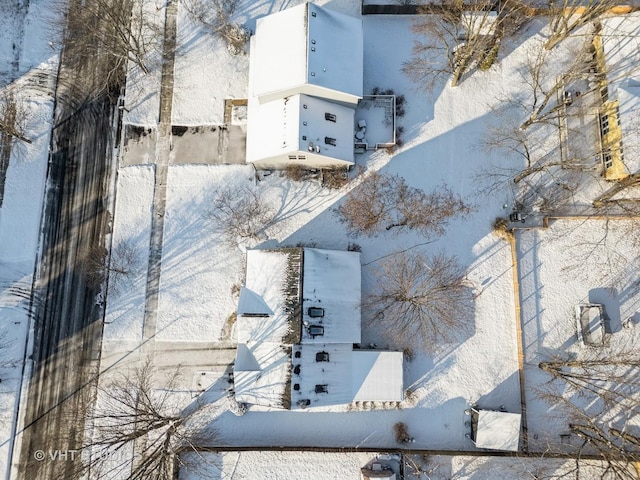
(315, 312)
(316, 330)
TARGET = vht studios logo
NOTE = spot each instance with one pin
(56, 455)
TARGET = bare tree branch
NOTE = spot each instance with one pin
(424, 299)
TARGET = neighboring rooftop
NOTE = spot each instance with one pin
(307, 49)
(295, 348)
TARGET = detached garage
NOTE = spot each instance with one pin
(495, 430)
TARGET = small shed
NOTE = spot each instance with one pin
(495, 430)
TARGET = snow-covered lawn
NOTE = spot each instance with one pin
(198, 268)
(132, 230)
(442, 135)
(250, 465)
(24, 38)
(575, 261)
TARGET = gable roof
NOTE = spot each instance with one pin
(497, 430)
(307, 45)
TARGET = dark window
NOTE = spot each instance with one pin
(304, 106)
(322, 389)
(304, 137)
(296, 386)
(316, 312)
(296, 369)
(604, 124)
(313, 14)
(330, 141)
(316, 330)
(330, 117)
(297, 354)
(607, 159)
(292, 157)
(322, 357)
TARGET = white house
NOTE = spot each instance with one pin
(305, 80)
(298, 320)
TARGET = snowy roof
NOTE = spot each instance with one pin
(497, 430)
(333, 371)
(621, 46)
(321, 367)
(307, 44)
(299, 123)
(332, 282)
(377, 376)
(266, 386)
(263, 313)
(628, 96)
(267, 319)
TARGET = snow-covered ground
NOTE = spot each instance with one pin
(134, 205)
(574, 262)
(442, 135)
(199, 270)
(346, 465)
(28, 64)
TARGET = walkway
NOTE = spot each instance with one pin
(163, 150)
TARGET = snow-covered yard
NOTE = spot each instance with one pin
(574, 261)
(329, 466)
(199, 271)
(28, 64)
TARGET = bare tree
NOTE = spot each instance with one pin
(597, 395)
(421, 298)
(13, 119)
(460, 35)
(111, 33)
(119, 267)
(216, 17)
(567, 16)
(243, 214)
(386, 202)
(610, 378)
(138, 428)
(13, 123)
